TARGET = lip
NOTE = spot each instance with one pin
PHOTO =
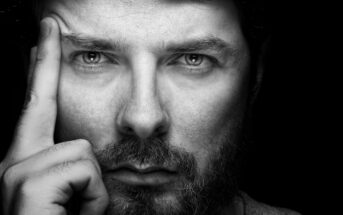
(146, 176)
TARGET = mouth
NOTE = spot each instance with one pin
(143, 175)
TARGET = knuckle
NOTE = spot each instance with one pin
(11, 177)
(41, 54)
(36, 101)
(29, 187)
(31, 100)
(8, 176)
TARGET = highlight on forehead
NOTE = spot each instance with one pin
(38, 5)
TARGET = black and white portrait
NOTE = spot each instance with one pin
(150, 107)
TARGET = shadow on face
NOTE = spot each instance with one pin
(160, 90)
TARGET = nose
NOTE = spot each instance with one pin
(142, 114)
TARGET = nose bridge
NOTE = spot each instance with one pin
(144, 103)
(143, 114)
(144, 97)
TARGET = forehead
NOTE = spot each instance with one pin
(147, 20)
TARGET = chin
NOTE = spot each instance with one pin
(165, 204)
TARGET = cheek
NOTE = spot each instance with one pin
(209, 117)
(84, 112)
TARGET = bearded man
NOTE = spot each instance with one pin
(134, 107)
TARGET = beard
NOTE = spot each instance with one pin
(193, 194)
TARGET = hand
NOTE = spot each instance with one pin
(38, 176)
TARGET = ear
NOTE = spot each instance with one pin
(257, 77)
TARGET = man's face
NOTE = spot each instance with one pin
(159, 88)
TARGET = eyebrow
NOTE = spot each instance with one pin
(92, 43)
(209, 43)
(203, 44)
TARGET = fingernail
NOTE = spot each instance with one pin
(33, 50)
(45, 28)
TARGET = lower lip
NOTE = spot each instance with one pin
(155, 178)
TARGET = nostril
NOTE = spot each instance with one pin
(142, 120)
(143, 129)
(161, 129)
(127, 130)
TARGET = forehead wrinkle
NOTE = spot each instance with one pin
(96, 43)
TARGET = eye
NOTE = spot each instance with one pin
(92, 61)
(91, 57)
(193, 59)
(193, 63)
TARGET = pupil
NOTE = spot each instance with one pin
(91, 56)
(193, 58)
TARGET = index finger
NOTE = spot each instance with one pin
(36, 127)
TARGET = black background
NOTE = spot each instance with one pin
(281, 168)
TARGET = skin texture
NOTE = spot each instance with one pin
(140, 89)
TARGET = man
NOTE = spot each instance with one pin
(134, 107)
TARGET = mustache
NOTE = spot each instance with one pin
(154, 151)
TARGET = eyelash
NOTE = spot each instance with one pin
(177, 60)
(211, 59)
(78, 60)
(107, 57)
(196, 68)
